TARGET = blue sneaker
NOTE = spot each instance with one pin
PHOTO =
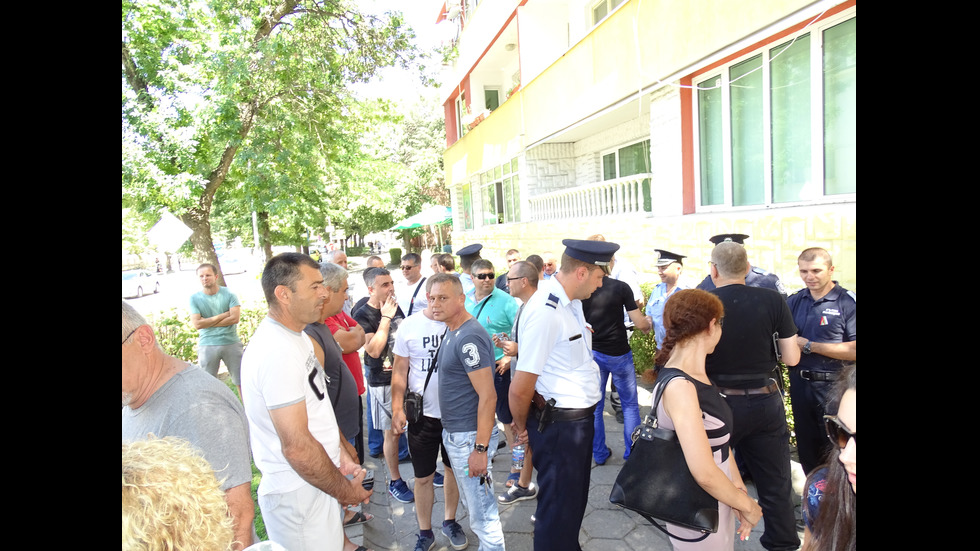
(454, 532)
(438, 480)
(425, 543)
(399, 490)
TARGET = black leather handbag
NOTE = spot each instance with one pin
(656, 482)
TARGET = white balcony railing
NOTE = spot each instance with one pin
(626, 195)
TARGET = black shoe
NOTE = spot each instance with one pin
(620, 418)
(502, 444)
(375, 455)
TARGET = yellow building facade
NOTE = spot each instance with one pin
(657, 124)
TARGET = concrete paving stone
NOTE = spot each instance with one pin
(599, 497)
(604, 524)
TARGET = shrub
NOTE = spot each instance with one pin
(396, 255)
(643, 346)
(178, 337)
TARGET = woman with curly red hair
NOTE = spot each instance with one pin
(693, 407)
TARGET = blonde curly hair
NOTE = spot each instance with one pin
(171, 499)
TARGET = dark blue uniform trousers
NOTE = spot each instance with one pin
(563, 459)
(808, 399)
(760, 437)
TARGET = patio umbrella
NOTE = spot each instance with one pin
(432, 216)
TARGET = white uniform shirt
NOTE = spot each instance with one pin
(555, 343)
(417, 339)
(467, 281)
(280, 369)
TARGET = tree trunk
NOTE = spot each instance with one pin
(201, 239)
(263, 220)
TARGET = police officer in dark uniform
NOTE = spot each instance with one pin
(826, 315)
(757, 276)
(555, 389)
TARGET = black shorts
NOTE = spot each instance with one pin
(424, 442)
(501, 383)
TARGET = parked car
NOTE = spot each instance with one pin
(136, 283)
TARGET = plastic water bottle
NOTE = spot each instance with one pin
(517, 456)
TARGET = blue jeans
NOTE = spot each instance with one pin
(479, 499)
(624, 377)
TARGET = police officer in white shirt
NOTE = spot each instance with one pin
(557, 382)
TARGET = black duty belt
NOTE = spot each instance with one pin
(566, 414)
(809, 375)
(768, 389)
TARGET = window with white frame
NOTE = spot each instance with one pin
(460, 105)
(467, 197)
(602, 8)
(629, 160)
(778, 125)
(501, 193)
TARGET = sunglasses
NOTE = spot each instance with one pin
(484, 276)
(837, 432)
(407, 267)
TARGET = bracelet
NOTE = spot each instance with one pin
(388, 317)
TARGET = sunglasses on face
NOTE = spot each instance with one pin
(837, 432)
(407, 267)
(484, 276)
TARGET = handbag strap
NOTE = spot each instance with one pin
(411, 305)
(662, 381)
(675, 536)
(432, 364)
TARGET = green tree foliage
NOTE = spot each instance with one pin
(244, 101)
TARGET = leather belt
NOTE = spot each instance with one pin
(809, 375)
(768, 389)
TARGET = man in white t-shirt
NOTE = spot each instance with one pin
(416, 345)
(411, 293)
(294, 436)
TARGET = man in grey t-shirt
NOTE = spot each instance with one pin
(467, 399)
(166, 396)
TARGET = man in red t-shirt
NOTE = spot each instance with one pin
(350, 336)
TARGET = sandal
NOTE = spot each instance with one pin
(512, 479)
(358, 518)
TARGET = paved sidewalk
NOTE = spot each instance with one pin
(606, 527)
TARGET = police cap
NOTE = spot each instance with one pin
(599, 253)
(470, 250)
(735, 237)
(666, 257)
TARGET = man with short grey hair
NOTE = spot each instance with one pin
(758, 331)
(166, 396)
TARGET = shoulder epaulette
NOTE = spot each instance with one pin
(552, 301)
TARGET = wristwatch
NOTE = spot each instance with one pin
(480, 448)
(806, 347)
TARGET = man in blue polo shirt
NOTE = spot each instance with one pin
(826, 315)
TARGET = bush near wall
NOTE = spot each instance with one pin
(396, 255)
